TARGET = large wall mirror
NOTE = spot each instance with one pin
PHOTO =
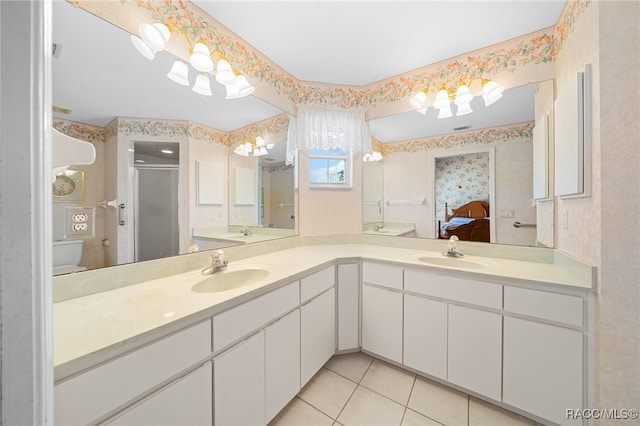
(471, 174)
(99, 77)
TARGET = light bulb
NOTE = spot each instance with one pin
(463, 95)
(202, 85)
(442, 100)
(143, 48)
(224, 73)
(464, 109)
(200, 58)
(417, 101)
(179, 73)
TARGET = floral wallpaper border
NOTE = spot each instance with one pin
(542, 47)
(484, 136)
(170, 128)
(272, 167)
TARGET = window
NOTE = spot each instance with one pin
(329, 168)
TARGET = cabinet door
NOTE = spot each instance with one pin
(382, 322)
(543, 368)
(282, 351)
(317, 334)
(239, 384)
(348, 307)
(475, 350)
(425, 335)
(187, 401)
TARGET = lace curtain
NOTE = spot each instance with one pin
(324, 128)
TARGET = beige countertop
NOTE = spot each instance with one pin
(92, 328)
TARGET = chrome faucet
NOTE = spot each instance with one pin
(218, 263)
(245, 231)
(452, 251)
(377, 227)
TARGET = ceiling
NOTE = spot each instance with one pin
(99, 75)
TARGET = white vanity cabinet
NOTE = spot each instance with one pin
(186, 402)
(425, 335)
(317, 322)
(282, 363)
(348, 288)
(112, 387)
(544, 353)
(382, 311)
(239, 383)
(475, 350)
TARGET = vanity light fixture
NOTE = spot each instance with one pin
(256, 148)
(153, 38)
(460, 95)
(372, 156)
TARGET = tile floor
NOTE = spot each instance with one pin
(356, 389)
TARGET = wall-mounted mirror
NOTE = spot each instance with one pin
(443, 174)
(97, 76)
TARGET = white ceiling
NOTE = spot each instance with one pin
(99, 74)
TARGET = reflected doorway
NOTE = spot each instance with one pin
(156, 205)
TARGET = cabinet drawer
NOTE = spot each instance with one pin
(186, 402)
(540, 304)
(237, 322)
(317, 283)
(87, 397)
(381, 274)
(453, 288)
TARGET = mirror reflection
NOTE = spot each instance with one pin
(469, 176)
(106, 93)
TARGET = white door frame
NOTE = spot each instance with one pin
(26, 347)
(492, 179)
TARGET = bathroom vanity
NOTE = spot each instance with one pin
(514, 329)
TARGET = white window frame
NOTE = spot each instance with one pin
(316, 154)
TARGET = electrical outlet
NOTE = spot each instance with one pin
(80, 227)
(80, 218)
(79, 222)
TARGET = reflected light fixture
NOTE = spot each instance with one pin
(153, 38)
(372, 156)
(461, 96)
(256, 148)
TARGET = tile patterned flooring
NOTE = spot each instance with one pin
(356, 389)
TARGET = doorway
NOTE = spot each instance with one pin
(156, 203)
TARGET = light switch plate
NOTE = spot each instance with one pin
(79, 222)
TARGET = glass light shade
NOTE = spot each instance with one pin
(224, 73)
(232, 91)
(417, 101)
(259, 141)
(155, 36)
(256, 152)
(463, 95)
(142, 47)
(270, 145)
(423, 111)
(491, 92)
(445, 112)
(202, 85)
(179, 73)
(442, 100)
(464, 109)
(200, 58)
(263, 150)
(243, 85)
(240, 151)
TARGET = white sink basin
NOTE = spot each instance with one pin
(452, 262)
(230, 279)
